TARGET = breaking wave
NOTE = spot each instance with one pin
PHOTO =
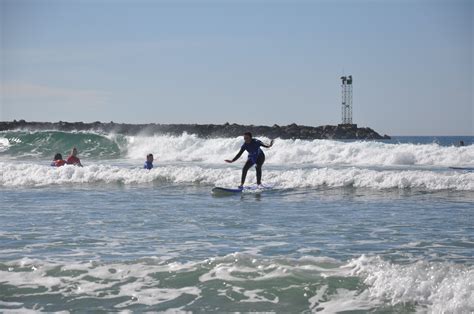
(111, 158)
(14, 174)
(290, 152)
(191, 148)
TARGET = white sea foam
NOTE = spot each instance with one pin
(135, 281)
(347, 300)
(290, 152)
(14, 174)
(440, 286)
(4, 144)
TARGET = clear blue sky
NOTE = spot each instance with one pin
(251, 62)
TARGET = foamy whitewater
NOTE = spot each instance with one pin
(345, 226)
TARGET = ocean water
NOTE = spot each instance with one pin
(380, 226)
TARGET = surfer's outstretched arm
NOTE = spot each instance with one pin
(236, 156)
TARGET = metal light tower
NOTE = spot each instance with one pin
(346, 100)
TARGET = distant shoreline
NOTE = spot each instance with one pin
(292, 131)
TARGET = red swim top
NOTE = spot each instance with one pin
(72, 160)
(59, 163)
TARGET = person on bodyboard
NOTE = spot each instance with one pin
(255, 157)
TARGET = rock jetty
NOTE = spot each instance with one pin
(292, 131)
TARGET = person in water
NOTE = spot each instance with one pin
(255, 157)
(149, 162)
(72, 159)
(58, 160)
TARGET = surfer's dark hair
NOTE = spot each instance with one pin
(58, 156)
(248, 134)
(149, 155)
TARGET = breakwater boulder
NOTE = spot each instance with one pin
(292, 131)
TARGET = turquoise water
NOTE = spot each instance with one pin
(348, 226)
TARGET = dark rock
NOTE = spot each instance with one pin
(292, 131)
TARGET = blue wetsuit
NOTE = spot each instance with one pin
(253, 148)
(256, 156)
(148, 165)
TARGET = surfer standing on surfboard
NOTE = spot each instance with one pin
(255, 157)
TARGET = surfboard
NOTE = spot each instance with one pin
(462, 168)
(221, 190)
(228, 191)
